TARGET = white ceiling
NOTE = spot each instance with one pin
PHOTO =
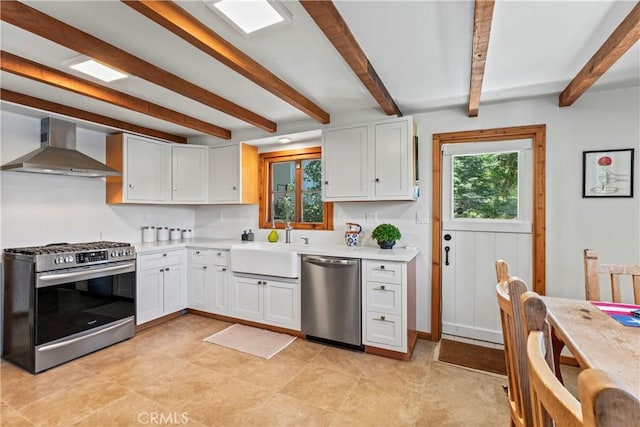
(420, 49)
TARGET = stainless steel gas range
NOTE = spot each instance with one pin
(62, 301)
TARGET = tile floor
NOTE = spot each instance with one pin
(168, 376)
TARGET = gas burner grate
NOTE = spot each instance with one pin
(66, 247)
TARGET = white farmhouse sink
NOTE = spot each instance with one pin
(265, 259)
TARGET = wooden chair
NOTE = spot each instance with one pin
(603, 402)
(550, 400)
(592, 271)
(508, 291)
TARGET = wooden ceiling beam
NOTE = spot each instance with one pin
(25, 68)
(482, 18)
(36, 22)
(331, 23)
(172, 17)
(622, 38)
(53, 107)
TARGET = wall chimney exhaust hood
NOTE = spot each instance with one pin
(58, 155)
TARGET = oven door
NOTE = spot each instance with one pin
(75, 300)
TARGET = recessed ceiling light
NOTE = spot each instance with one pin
(97, 70)
(284, 140)
(251, 15)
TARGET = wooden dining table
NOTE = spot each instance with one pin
(596, 340)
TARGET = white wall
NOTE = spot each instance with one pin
(598, 120)
(39, 209)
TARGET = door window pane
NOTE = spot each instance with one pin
(485, 186)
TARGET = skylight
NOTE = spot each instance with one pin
(98, 70)
(251, 15)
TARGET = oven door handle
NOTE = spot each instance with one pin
(84, 337)
(85, 272)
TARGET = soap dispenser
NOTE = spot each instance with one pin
(250, 236)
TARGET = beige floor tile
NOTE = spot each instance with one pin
(180, 387)
(323, 387)
(10, 373)
(169, 373)
(231, 403)
(11, 418)
(272, 374)
(302, 350)
(142, 369)
(347, 361)
(66, 407)
(34, 387)
(378, 405)
(286, 411)
(456, 396)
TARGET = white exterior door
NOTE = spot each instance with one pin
(486, 215)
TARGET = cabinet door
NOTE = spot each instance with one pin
(225, 181)
(246, 298)
(147, 170)
(189, 173)
(219, 290)
(344, 163)
(282, 304)
(149, 294)
(175, 295)
(392, 171)
(198, 285)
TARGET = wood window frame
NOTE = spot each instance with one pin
(265, 160)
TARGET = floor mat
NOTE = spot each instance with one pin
(259, 342)
(472, 356)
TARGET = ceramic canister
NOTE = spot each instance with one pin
(163, 234)
(148, 234)
(187, 233)
(175, 234)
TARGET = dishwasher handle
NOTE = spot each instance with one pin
(329, 261)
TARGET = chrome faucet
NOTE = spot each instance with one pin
(287, 231)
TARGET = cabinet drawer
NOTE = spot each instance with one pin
(384, 271)
(209, 256)
(219, 257)
(161, 259)
(384, 298)
(384, 329)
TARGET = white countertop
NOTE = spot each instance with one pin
(362, 252)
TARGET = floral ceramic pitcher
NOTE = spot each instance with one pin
(352, 233)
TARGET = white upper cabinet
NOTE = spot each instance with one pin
(369, 162)
(155, 172)
(345, 159)
(145, 165)
(233, 174)
(189, 173)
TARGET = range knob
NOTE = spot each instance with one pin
(59, 260)
(113, 253)
(68, 258)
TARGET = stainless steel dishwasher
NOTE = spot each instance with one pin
(332, 300)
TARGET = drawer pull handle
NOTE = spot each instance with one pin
(166, 269)
(197, 252)
(224, 269)
(164, 254)
(382, 287)
(383, 318)
(219, 253)
(382, 267)
(204, 267)
(161, 270)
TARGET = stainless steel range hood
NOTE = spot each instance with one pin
(58, 155)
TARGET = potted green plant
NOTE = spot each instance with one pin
(386, 235)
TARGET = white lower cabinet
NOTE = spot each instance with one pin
(266, 300)
(160, 285)
(385, 285)
(208, 280)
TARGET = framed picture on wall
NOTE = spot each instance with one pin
(607, 173)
